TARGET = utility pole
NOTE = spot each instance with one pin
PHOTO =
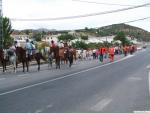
(1, 26)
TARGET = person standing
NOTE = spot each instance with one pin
(101, 53)
(111, 54)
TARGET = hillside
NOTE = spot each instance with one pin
(135, 32)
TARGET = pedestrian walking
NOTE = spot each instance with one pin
(111, 54)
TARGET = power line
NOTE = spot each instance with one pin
(102, 3)
(131, 21)
(81, 16)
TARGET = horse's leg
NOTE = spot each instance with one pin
(38, 62)
(23, 64)
(3, 66)
(27, 65)
(37, 58)
(50, 62)
(69, 61)
(56, 63)
(14, 63)
(59, 62)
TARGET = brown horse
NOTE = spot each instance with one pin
(24, 58)
(74, 52)
(55, 51)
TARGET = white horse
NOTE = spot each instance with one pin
(10, 55)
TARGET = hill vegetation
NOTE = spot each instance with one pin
(135, 32)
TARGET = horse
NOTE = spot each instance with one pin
(63, 55)
(50, 59)
(55, 52)
(25, 58)
(2, 59)
(74, 53)
(69, 56)
(8, 55)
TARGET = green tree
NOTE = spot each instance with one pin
(66, 37)
(37, 36)
(7, 31)
(80, 44)
(84, 37)
(122, 37)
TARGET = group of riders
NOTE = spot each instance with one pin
(66, 53)
(17, 53)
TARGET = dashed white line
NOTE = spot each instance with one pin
(59, 78)
(49, 106)
(101, 105)
(134, 78)
(23, 75)
(148, 67)
(38, 111)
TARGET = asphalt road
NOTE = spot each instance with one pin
(87, 87)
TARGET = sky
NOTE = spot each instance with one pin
(41, 9)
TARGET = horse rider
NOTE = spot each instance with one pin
(29, 48)
(16, 44)
(53, 44)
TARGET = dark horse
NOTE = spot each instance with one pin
(69, 55)
(2, 60)
(55, 51)
(24, 58)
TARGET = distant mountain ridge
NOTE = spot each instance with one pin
(135, 32)
(109, 30)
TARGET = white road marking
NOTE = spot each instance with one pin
(2, 79)
(148, 67)
(49, 106)
(59, 78)
(141, 111)
(38, 111)
(23, 75)
(101, 105)
(135, 78)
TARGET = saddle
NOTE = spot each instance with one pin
(10, 53)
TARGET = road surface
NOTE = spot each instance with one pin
(87, 87)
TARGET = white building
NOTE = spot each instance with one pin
(21, 39)
(100, 39)
(49, 38)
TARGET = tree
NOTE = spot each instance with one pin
(122, 37)
(80, 44)
(84, 37)
(66, 38)
(7, 31)
(37, 36)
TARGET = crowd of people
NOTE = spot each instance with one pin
(106, 52)
(84, 54)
